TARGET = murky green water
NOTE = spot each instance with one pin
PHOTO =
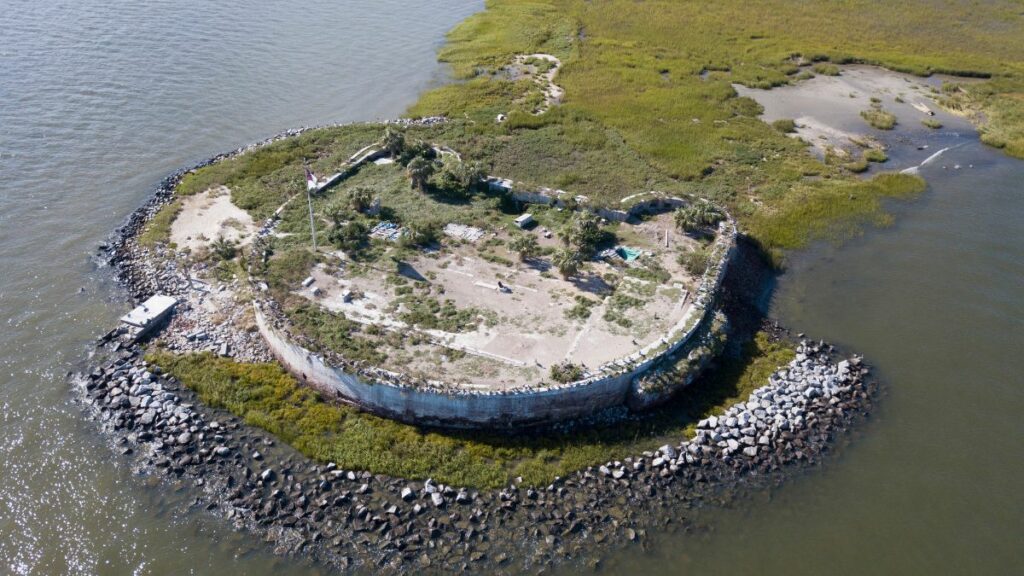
(102, 99)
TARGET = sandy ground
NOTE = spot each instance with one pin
(210, 214)
(553, 93)
(532, 332)
(827, 109)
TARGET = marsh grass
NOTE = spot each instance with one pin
(158, 229)
(266, 396)
(826, 69)
(879, 118)
(668, 96)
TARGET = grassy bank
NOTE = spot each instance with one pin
(659, 75)
(267, 397)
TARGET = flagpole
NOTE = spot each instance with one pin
(309, 201)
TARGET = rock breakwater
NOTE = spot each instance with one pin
(351, 518)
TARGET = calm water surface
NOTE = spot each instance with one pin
(932, 483)
(99, 100)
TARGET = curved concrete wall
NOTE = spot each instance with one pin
(438, 407)
(433, 405)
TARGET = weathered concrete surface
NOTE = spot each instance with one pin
(435, 404)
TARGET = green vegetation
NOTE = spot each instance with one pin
(335, 333)
(158, 229)
(697, 217)
(695, 261)
(583, 233)
(931, 123)
(261, 180)
(565, 372)
(875, 155)
(879, 118)
(224, 249)
(525, 245)
(838, 207)
(668, 97)
(647, 107)
(582, 309)
(267, 397)
(650, 269)
(784, 125)
(857, 166)
(826, 69)
(568, 261)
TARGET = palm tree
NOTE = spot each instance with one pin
(697, 216)
(568, 261)
(420, 170)
(525, 245)
(223, 248)
(393, 142)
(583, 231)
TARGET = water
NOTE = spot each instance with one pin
(931, 484)
(101, 99)
(98, 101)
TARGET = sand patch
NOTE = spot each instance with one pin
(827, 109)
(208, 215)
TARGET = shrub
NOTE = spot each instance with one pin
(826, 69)
(932, 123)
(420, 233)
(360, 198)
(525, 245)
(784, 125)
(875, 155)
(394, 142)
(223, 248)
(459, 178)
(879, 118)
(418, 149)
(582, 309)
(565, 372)
(349, 236)
(857, 166)
(695, 262)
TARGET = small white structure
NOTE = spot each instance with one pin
(308, 282)
(148, 314)
(524, 220)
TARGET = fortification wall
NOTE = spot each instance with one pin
(433, 406)
(434, 403)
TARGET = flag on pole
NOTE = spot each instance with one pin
(310, 179)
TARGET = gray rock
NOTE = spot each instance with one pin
(437, 499)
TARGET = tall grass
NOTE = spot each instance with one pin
(668, 96)
(266, 396)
